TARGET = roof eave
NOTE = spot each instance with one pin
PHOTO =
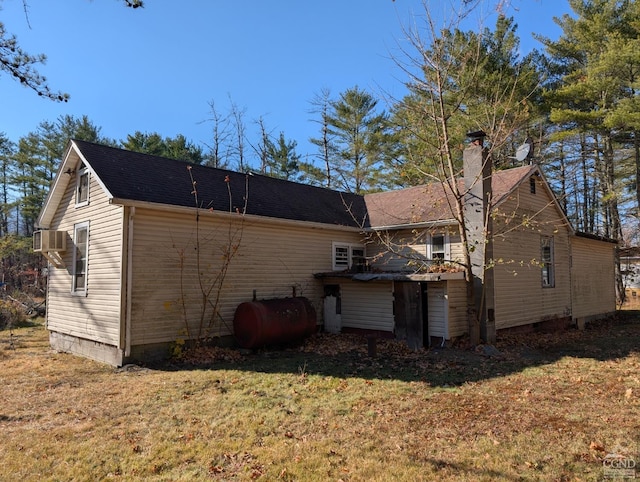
(59, 185)
(535, 168)
(226, 214)
(392, 276)
(420, 225)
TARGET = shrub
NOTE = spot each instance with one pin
(10, 315)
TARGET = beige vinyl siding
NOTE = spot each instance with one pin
(409, 248)
(273, 260)
(457, 302)
(457, 253)
(397, 251)
(95, 316)
(520, 297)
(438, 310)
(593, 277)
(367, 305)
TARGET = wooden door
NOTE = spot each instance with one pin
(408, 313)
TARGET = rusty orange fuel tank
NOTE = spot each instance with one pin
(271, 322)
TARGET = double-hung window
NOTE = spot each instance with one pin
(546, 261)
(346, 256)
(82, 186)
(80, 258)
(438, 248)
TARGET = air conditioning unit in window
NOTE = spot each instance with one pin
(44, 241)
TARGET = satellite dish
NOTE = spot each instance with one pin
(523, 152)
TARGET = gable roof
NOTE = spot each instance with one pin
(434, 203)
(128, 177)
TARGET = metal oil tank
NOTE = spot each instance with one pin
(271, 322)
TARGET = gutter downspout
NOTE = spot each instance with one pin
(127, 341)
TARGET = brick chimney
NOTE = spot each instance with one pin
(477, 200)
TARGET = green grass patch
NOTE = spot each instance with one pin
(550, 408)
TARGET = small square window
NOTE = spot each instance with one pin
(347, 256)
(438, 248)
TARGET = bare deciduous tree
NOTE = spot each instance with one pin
(457, 84)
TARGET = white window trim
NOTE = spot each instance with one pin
(350, 247)
(550, 263)
(82, 170)
(447, 246)
(76, 290)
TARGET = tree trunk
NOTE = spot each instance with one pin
(636, 150)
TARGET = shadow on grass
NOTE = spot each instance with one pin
(468, 471)
(346, 356)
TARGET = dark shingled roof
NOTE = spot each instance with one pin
(141, 177)
(132, 176)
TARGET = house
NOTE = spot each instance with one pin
(145, 251)
(630, 269)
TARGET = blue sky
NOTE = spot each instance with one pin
(157, 69)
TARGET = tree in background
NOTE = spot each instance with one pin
(486, 86)
(179, 148)
(56, 135)
(22, 66)
(152, 144)
(237, 146)
(321, 104)
(282, 160)
(508, 91)
(595, 101)
(32, 176)
(21, 269)
(458, 82)
(218, 155)
(278, 158)
(32, 167)
(263, 145)
(7, 152)
(229, 141)
(360, 141)
(595, 150)
(174, 148)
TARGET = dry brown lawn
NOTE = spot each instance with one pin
(550, 407)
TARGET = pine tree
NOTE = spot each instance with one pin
(282, 160)
(361, 142)
(173, 148)
(7, 151)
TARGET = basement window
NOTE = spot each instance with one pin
(80, 256)
(546, 260)
(82, 186)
